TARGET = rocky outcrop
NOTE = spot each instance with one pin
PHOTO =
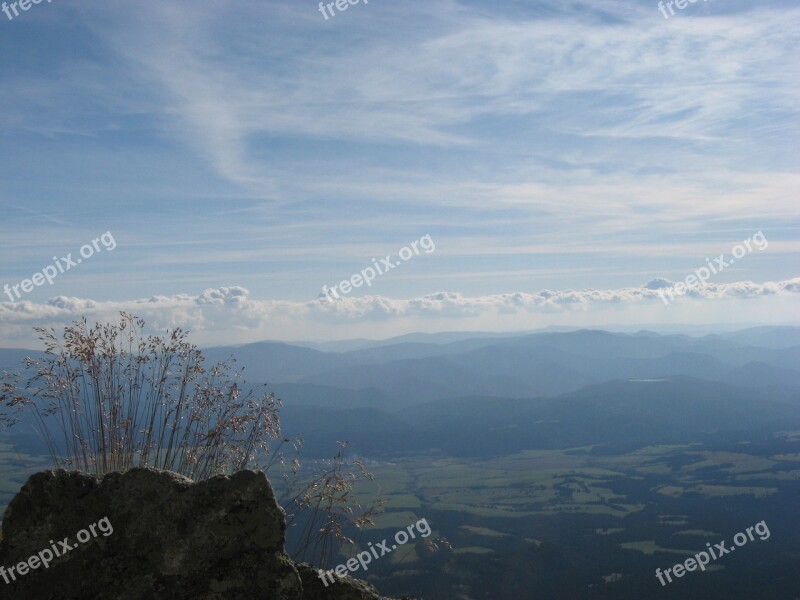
(344, 588)
(149, 534)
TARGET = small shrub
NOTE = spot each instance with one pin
(108, 398)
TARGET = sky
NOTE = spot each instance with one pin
(555, 163)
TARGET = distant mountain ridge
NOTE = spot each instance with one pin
(620, 412)
(488, 395)
(405, 371)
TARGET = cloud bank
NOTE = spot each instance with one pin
(229, 315)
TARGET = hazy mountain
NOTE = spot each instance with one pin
(766, 337)
(444, 337)
(332, 397)
(11, 358)
(405, 371)
(277, 362)
(554, 363)
(759, 374)
(633, 413)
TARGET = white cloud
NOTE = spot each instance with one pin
(536, 132)
(229, 315)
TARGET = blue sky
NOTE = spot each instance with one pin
(244, 154)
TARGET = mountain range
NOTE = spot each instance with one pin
(486, 394)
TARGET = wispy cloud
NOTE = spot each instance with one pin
(583, 143)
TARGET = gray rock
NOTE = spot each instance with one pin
(220, 539)
(342, 588)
